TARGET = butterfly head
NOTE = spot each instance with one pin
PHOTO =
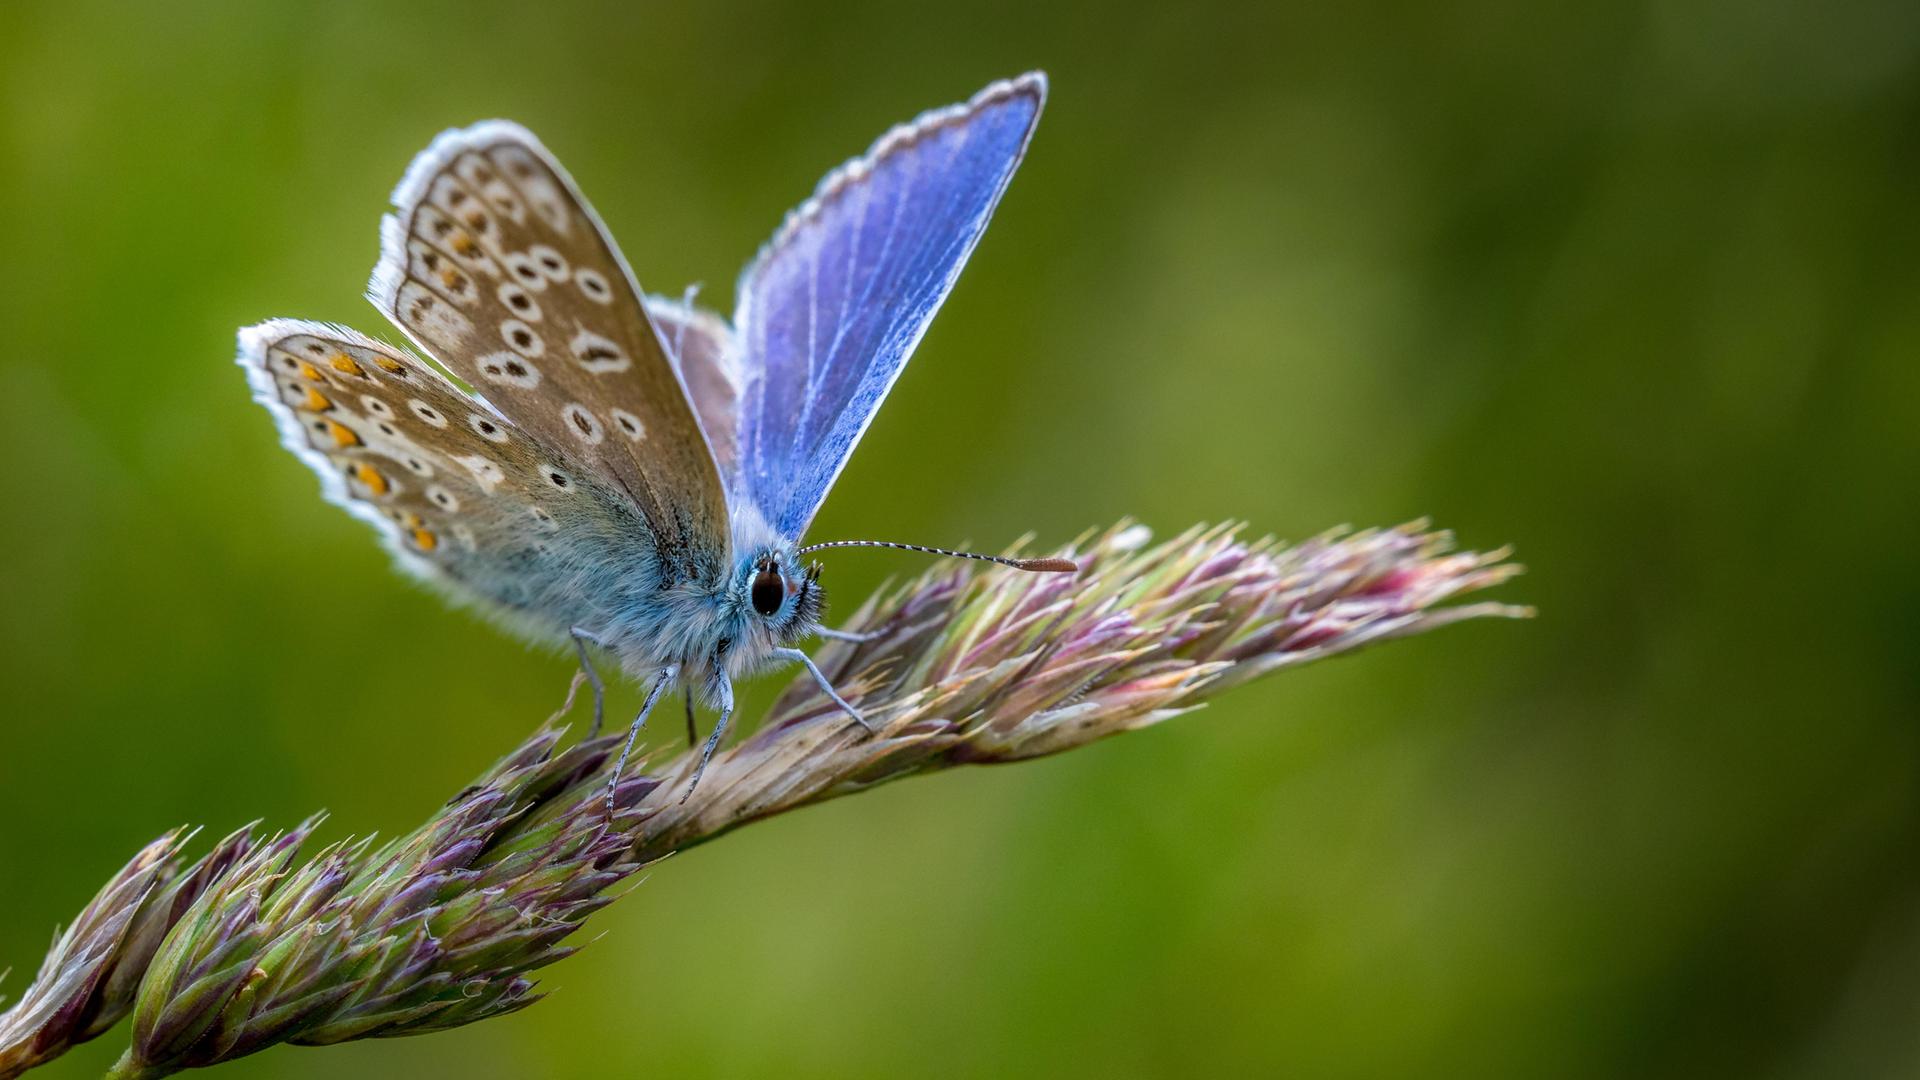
(784, 597)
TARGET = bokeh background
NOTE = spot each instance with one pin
(1632, 286)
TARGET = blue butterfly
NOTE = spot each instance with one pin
(628, 471)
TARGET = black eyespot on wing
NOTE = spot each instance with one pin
(769, 592)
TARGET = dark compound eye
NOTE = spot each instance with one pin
(769, 592)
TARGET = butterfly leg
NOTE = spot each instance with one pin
(723, 689)
(821, 678)
(580, 639)
(660, 682)
(849, 635)
(693, 733)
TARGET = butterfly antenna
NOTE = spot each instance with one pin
(1037, 566)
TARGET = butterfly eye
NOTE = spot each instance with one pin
(769, 592)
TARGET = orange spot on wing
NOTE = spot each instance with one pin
(316, 401)
(343, 363)
(388, 363)
(343, 435)
(463, 243)
(412, 520)
(453, 279)
(310, 373)
(371, 477)
(426, 540)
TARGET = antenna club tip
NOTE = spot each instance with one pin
(1048, 566)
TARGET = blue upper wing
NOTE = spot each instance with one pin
(834, 304)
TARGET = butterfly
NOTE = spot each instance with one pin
(587, 463)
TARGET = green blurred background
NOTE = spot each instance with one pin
(1633, 287)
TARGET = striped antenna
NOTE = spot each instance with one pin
(1037, 566)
